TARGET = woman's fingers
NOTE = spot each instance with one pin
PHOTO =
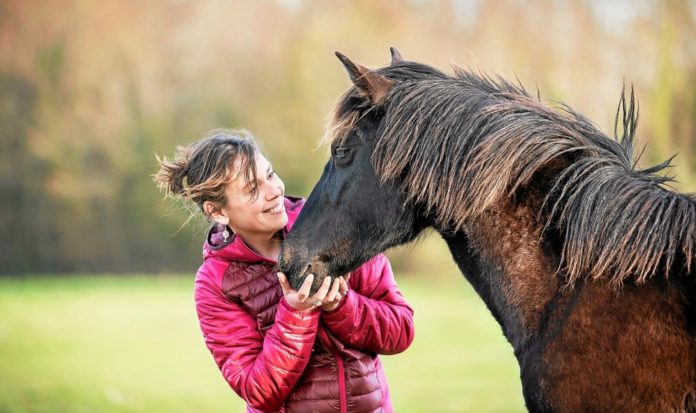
(284, 284)
(331, 295)
(303, 292)
(343, 287)
(328, 291)
(318, 297)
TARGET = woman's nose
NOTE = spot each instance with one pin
(275, 190)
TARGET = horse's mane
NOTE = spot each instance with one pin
(463, 143)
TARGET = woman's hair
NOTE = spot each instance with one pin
(200, 171)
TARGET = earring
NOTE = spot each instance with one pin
(225, 234)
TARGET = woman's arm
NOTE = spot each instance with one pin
(374, 315)
(263, 371)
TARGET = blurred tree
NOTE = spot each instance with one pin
(27, 230)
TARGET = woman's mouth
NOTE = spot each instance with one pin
(276, 209)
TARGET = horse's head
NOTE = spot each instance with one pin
(352, 214)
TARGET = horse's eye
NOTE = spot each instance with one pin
(340, 153)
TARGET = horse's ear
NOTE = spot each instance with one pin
(372, 84)
(395, 56)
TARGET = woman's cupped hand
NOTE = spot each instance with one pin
(328, 296)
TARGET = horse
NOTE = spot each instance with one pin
(584, 259)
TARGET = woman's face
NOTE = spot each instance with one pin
(264, 214)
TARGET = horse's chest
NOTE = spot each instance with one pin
(255, 288)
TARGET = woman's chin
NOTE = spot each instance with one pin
(277, 222)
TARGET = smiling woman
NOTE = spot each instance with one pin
(280, 348)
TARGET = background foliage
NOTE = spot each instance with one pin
(90, 91)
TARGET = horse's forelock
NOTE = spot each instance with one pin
(343, 120)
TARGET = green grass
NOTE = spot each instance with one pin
(132, 344)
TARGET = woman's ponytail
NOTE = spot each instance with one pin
(172, 173)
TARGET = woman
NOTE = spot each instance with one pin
(279, 349)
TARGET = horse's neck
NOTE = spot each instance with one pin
(501, 256)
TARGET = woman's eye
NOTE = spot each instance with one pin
(270, 174)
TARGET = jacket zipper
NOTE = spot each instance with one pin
(342, 393)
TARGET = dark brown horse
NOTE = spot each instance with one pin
(584, 260)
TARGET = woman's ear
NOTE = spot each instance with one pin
(215, 213)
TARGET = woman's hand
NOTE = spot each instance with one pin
(300, 299)
(337, 292)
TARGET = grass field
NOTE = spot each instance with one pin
(132, 344)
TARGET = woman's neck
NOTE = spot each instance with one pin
(266, 245)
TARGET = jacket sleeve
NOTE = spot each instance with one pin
(263, 371)
(374, 315)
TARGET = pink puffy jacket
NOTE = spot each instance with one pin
(279, 359)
